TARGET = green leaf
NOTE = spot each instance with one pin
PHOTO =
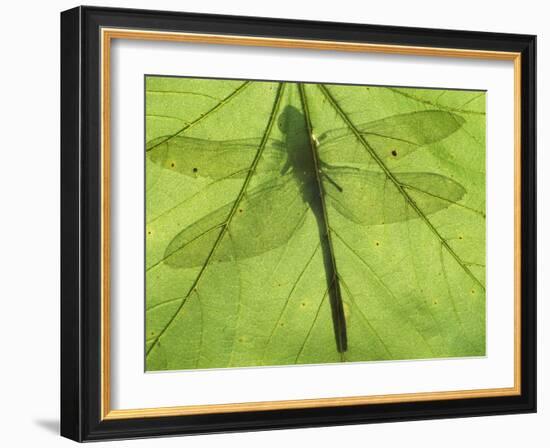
(301, 223)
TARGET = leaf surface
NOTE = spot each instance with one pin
(268, 204)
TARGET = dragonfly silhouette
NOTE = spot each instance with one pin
(303, 174)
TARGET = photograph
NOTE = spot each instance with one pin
(277, 224)
(302, 223)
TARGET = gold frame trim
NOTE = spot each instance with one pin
(107, 35)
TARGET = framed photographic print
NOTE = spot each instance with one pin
(274, 224)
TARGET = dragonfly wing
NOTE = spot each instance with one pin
(392, 138)
(264, 219)
(371, 198)
(197, 157)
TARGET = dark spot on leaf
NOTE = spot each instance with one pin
(377, 243)
(195, 170)
(460, 237)
(240, 210)
(282, 324)
(303, 304)
(394, 153)
(172, 164)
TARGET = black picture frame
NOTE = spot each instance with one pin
(81, 210)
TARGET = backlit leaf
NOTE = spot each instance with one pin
(300, 223)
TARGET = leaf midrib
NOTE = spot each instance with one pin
(339, 319)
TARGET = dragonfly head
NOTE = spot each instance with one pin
(290, 121)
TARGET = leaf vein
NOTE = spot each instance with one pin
(205, 115)
(222, 234)
(398, 184)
